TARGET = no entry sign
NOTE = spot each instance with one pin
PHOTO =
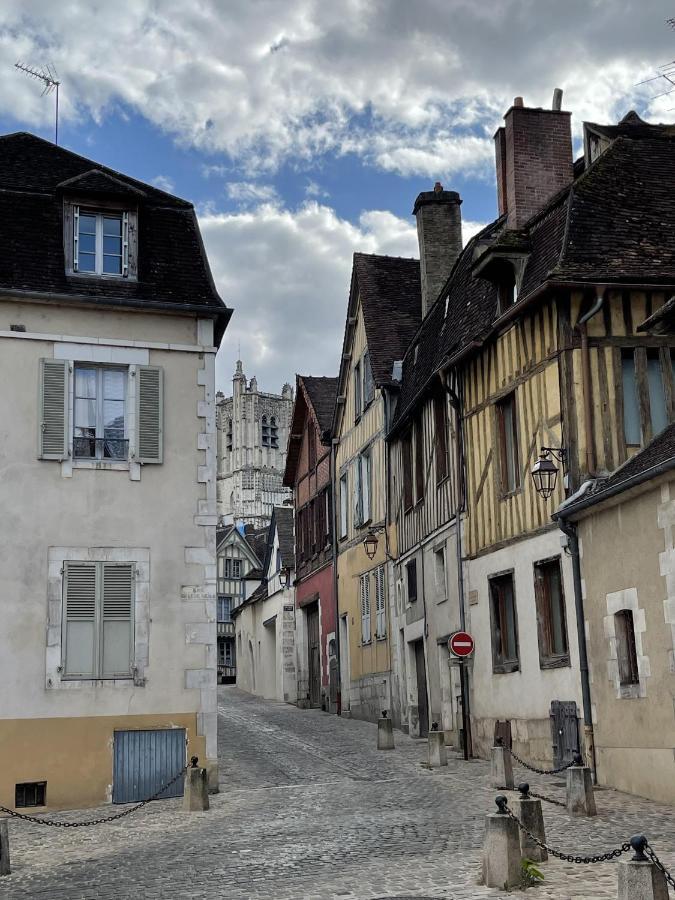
(461, 644)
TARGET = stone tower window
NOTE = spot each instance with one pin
(265, 432)
(274, 433)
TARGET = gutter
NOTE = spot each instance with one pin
(336, 524)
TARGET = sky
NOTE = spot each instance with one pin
(303, 130)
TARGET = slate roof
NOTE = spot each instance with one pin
(257, 540)
(35, 175)
(654, 459)
(613, 223)
(282, 517)
(322, 393)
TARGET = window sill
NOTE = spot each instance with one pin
(96, 277)
(629, 692)
(508, 495)
(86, 679)
(505, 668)
(111, 465)
(366, 643)
(443, 600)
(380, 637)
(554, 662)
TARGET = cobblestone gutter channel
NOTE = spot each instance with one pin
(309, 809)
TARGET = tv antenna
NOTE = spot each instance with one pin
(47, 75)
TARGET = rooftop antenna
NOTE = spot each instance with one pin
(47, 75)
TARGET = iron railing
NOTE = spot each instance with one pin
(100, 448)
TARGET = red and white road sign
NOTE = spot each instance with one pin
(461, 644)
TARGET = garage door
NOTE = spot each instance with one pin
(146, 760)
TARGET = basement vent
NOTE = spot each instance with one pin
(32, 793)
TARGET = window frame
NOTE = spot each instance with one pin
(364, 504)
(548, 658)
(358, 392)
(501, 664)
(442, 447)
(627, 662)
(407, 466)
(99, 213)
(99, 399)
(380, 603)
(367, 380)
(411, 578)
(344, 506)
(501, 405)
(364, 602)
(442, 589)
(419, 461)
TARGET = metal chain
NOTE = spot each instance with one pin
(566, 857)
(120, 815)
(659, 865)
(535, 769)
(547, 799)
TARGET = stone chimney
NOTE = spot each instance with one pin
(439, 232)
(534, 158)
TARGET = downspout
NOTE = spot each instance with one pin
(586, 378)
(456, 401)
(333, 470)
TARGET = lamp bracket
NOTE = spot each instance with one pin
(559, 453)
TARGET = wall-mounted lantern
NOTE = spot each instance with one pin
(370, 543)
(545, 472)
(284, 577)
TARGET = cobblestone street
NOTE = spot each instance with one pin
(309, 809)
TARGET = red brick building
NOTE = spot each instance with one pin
(308, 473)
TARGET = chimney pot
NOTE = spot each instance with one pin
(439, 231)
(438, 187)
(557, 99)
(518, 101)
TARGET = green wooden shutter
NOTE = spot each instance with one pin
(381, 626)
(53, 398)
(149, 414)
(117, 605)
(365, 608)
(79, 620)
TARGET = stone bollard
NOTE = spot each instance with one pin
(501, 852)
(438, 755)
(385, 733)
(580, 797)
(4, 848)
(501, 768)
(196, 792)
(638, 878)
(528, 810)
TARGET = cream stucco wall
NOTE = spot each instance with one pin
(629, 562)
(167, 509)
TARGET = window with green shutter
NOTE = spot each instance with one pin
(98, 619)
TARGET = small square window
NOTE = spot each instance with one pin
(100, 242)
(411, 579)
(32, 793)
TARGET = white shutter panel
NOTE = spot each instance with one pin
(79, 617)
(125, 244)
(53, 398)
(76, 237)
(381, 626)
(357, 493)
(117, 599)
(365, 608)
(364, 461)
(149, 414)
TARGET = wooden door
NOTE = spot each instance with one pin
(144, 760)
(564, 731)
(314, 654)
(422, 702)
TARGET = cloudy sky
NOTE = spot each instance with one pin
(303, 129)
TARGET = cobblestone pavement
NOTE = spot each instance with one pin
(309, 809)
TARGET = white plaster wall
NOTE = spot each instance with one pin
(528, 692)
(170, 512)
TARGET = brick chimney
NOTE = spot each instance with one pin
(534, 158)
(439, 232)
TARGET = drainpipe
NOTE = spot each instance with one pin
(333, 469)
(570, 530)
(586, 378)
(457, 404)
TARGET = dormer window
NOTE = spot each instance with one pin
(506, 287)
(100, 242)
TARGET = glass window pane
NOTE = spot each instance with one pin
(510, 624)
(657, 395)
(113, 418)
(85, 413)
(87, 243)
(113, 384)
(631, 406)
(86, 262)
(85, 382)
(112, 245)
(112, 225)
(87, 224)
(112, 265)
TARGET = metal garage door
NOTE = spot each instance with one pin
(144, 761)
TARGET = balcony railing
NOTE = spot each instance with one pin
(226, 628)
(100, 448)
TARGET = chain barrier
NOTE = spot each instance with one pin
(566, 857)
(649, 853)
(120, 815)
(547, 799)
(575, 762)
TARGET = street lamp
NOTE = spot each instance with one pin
(284, 577)
(370, 543)
(545, 472)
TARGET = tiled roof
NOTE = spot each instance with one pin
(656, 458)
(390, 293)
(322, 393)
(35, 174)
(283, 518)
(614, 223)
(257, 541)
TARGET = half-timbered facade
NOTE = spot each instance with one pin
(383, 314)
(308, 473)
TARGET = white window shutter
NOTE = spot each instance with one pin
(125, 244)
(381, 626)
(149, 414)
(79, 639)
(76, 237)
(365, 608)
(358, 518)
(53, 413)
(364, 462)
(117, 605)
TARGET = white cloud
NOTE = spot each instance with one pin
(164, 183)
(400, 83)
(248, 192)
(287, 274)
